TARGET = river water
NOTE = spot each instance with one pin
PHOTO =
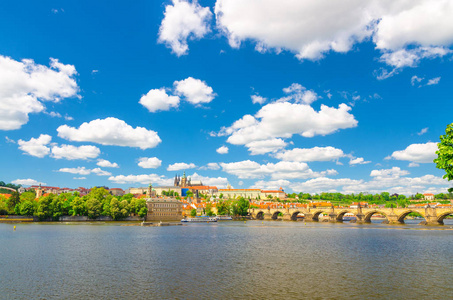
(227, 260)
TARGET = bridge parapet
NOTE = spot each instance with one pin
(432, 216)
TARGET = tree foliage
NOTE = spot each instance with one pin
(444, 158)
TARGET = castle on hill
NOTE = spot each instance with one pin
(185, 181)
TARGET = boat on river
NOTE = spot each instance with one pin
(201, 219)
(224, 218)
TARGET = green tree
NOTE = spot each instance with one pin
(223, 208)
(385, 196)
(78, 207)
(115, 210)
(27, 208)
(240, 207)
(125, 209)
(193, 212)
(140, 207)
(3, 205)
(13, 201)
(44, 210)
(57, 208)
(27, 196)
(209, 211)
(94, 207)
(444, 153)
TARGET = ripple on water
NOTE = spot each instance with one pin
(233, 260)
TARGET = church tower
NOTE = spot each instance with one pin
(39, 192)
(184, 180)
(150, 193)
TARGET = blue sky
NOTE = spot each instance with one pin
(305, 95)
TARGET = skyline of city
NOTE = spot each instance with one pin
(132, 94)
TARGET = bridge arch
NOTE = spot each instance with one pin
(316, 215)
(275, 214)
(259, 215)
(403, 215)
(441, 218)
(341, 214)
(294, 215)
(369, 214)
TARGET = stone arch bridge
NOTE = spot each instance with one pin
(432, 216)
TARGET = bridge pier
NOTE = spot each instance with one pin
(360, 218)
(431, 218)
(267, 216)
(308, 217)
(287, 216)
(393, 219)
(333, 218)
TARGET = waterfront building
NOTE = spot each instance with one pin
(204, 189)
(160, 189)
(116, 192)
(230, 193)
(138, 190)
(280, 194)
(163, 209)
(428, 196)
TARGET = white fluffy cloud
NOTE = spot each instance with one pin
(358, 161)
(283, 119)
(271, 184)
(418, 153)
(433, 81)
(183, 20)
(220, 182)
(70, 152)
(106, 164)
(258, 99)
(111, 131)
(311, 154)
(211, 166)
(25, 85)
(314, 27)
(149, 162)
(85, 171)
(194, 90)
(222, 150)
(27, 182)
(392, 173)
(411, 57)
(36, 147)
(281, 170)
(415, 80)
(157, 99)
(390, 180)
(180, 166)
(143, 179)
(300, 94)
(265, 146)
(423, 131)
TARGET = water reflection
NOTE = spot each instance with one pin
(252, 260)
